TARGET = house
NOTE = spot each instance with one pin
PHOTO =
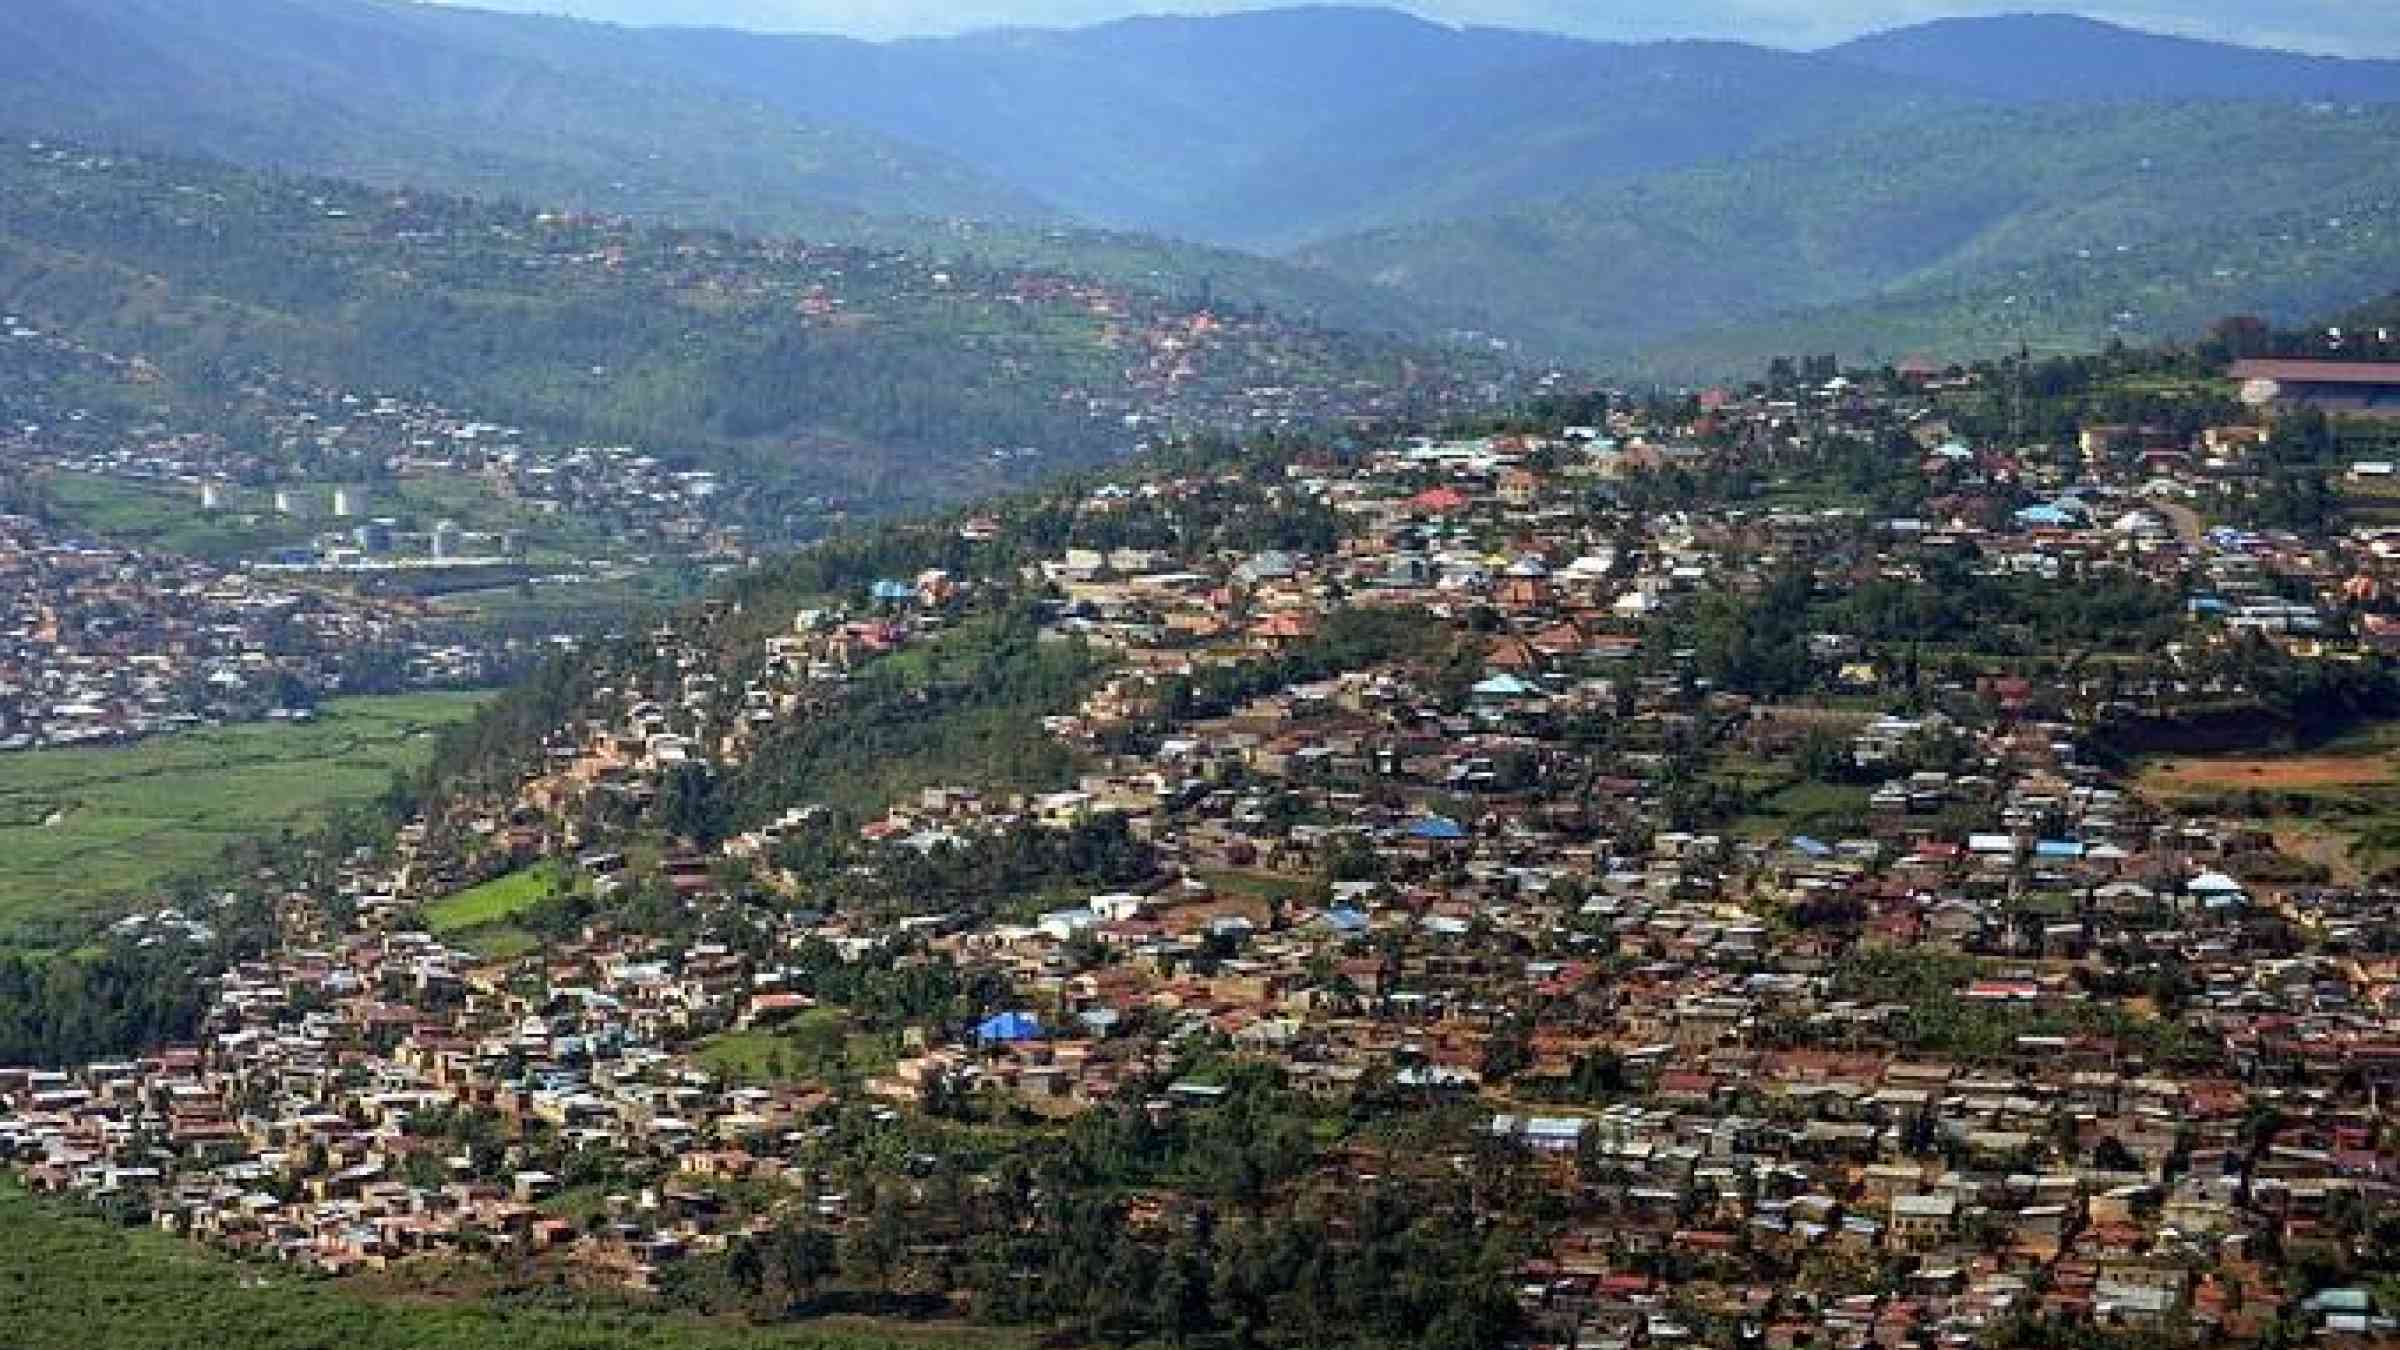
(1919, 1222)
(2342, 388)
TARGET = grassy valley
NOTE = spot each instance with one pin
(84, 829)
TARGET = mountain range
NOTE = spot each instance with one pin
(1592, 201)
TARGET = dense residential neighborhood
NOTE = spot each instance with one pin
(1029, 675)
(104, 643)
(1760, 846)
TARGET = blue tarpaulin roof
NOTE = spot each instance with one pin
(1009, 1026)
(1437, 827)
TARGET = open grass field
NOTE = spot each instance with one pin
(498, 899)
(83, 828)
(1805, 808)
(168, 516)
(819, 1045)
(71, 1283)
(605, 601)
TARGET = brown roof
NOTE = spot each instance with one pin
(2319, 372)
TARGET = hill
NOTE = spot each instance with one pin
(1143, 123)
(2063, 58)
(2303, 262)
(709, 127)
(1269, 128)
(1575, 199)
(1460, 145)
(1252, 129)
(2178, 192)
(880, 375)
(417, 94)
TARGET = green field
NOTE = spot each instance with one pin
(70, 1283)
(603, 602)
(497, 899)
(168, 516)
(80, 829)
(818, 1045)
(1805, 808)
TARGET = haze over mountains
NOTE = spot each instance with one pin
(1590, 200)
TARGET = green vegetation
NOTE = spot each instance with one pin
(457, 102)
(497, 899)
(1958, 234)
(1820, 809)
(966, 711)
(819, 377)
(819, 1044)
(168, 519)
(84, 827)
(1938, 1021)
(77, 1282)
(606, 601)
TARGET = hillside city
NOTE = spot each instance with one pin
(1703, 850)
(1025, 675)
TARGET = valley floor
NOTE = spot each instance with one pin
(82, 828)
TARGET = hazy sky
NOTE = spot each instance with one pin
(2340, 27)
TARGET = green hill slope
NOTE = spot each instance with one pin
(2286, 266)
(1249, 129)
(1949, 201)
(2065, 58)
(1467, 145)
(395, 93)
(881, 375)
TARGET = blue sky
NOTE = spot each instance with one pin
(2339, 27)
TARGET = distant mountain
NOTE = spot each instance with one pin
(1946, 202)
(1270, 128)
(1472, 145)
(2062, 58)
(422, 94)
(718, 127)
(1571, 197)
(2286, 265)
(1260, 129)
(1142, 123)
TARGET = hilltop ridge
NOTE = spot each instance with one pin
(1561, 195)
